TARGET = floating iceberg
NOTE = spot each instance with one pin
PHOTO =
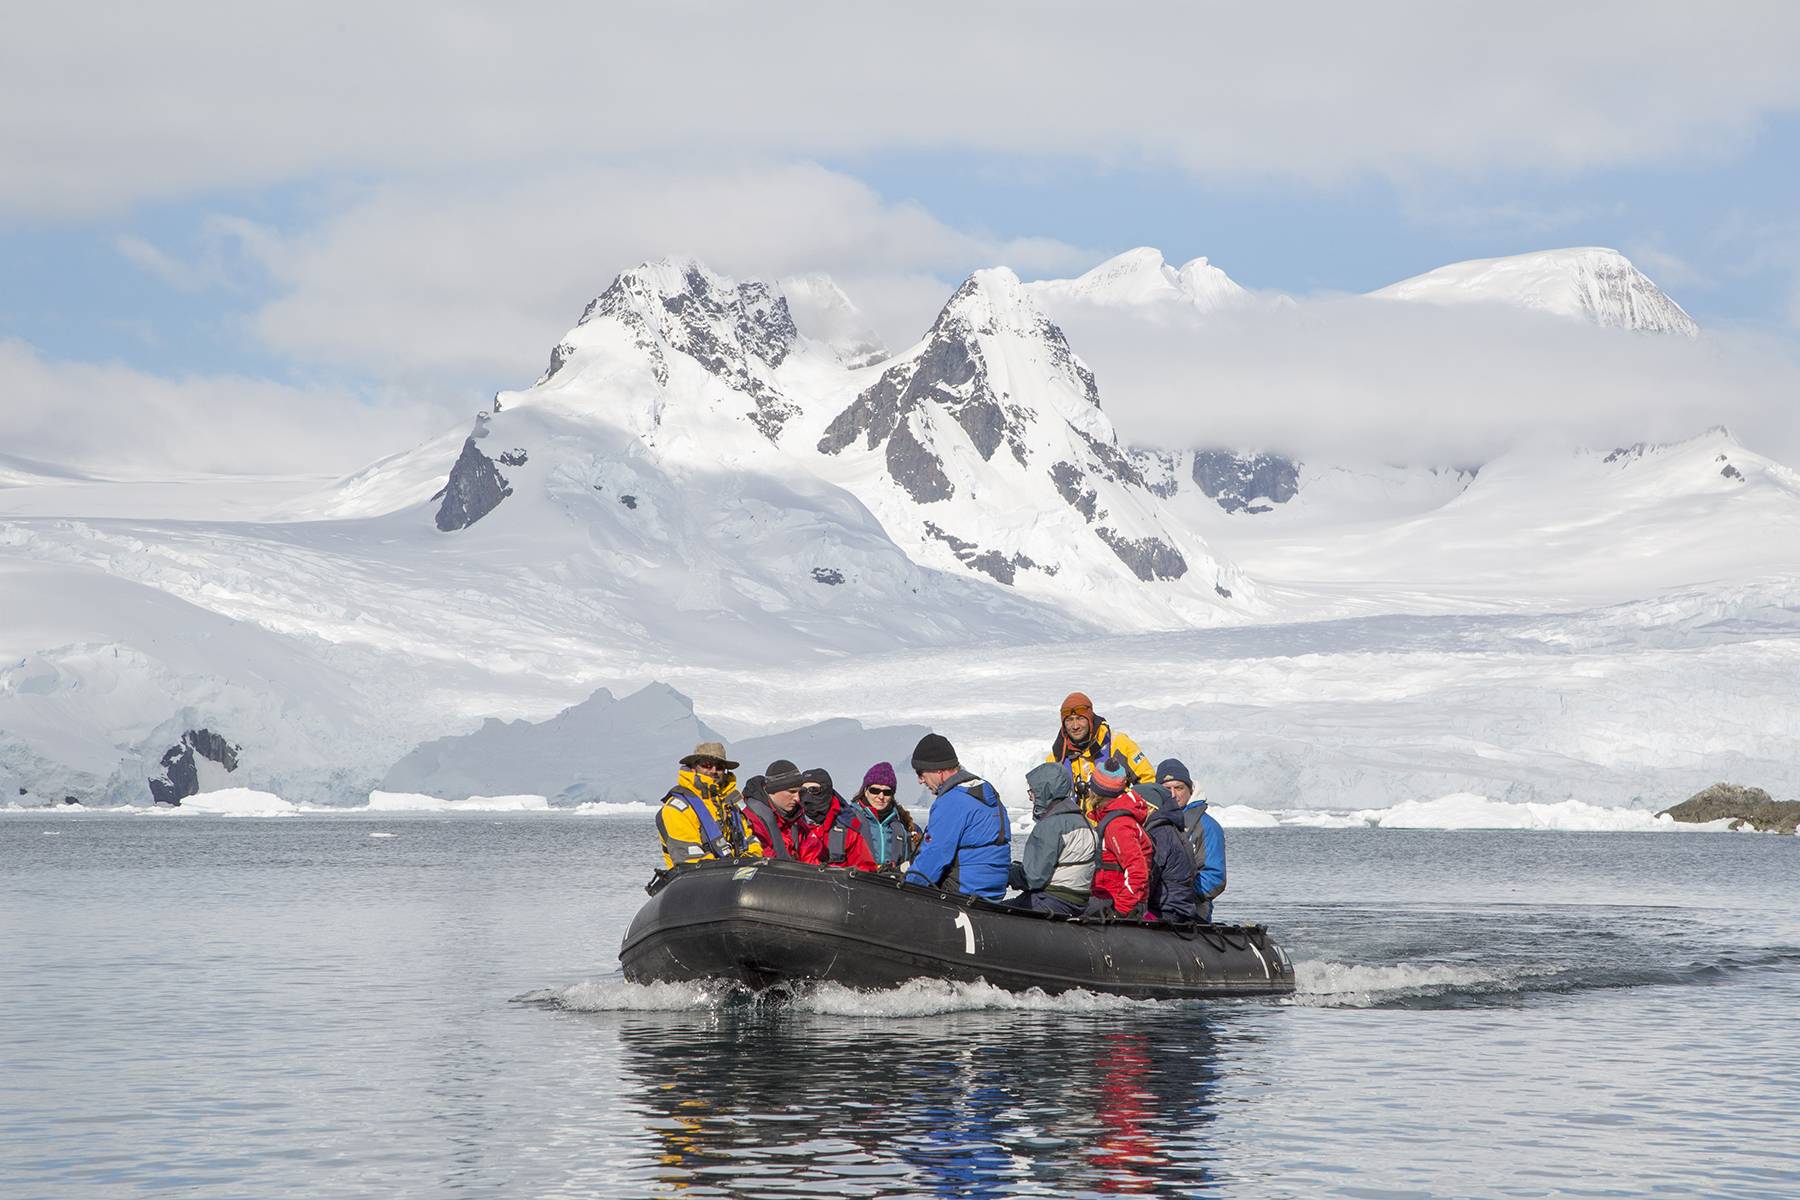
(417, 802)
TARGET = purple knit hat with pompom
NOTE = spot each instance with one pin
(881, 773)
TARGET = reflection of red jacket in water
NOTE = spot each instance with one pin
(1129, 1147)
(816, 843)
(1123, 874)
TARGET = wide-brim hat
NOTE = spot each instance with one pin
(712, 750)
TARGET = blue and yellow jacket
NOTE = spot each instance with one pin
(1101, 742)
(693, 825)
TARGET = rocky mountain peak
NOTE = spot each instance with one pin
(993, 407)
(738, 332)
(956, 371)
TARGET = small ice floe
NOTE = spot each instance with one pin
(1465, 810)
(235, 802)
(616, 808)
(381, 833)
(1241, 816)
(418, 802)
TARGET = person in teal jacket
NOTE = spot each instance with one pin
(887, 827)
(968, 840)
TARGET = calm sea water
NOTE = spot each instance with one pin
(430, 1006)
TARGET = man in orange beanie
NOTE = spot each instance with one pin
(1086, 738)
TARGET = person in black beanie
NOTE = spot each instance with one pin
(772, 804)
(968, 839)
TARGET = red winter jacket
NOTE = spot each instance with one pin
(815, 844)
(1124, 870)
(793, 832)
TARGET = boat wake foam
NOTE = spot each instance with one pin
(616, 995)
(1325, 984)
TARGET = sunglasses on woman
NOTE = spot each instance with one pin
(880, 791)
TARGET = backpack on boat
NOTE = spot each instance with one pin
(838, 835)
(1102, 906)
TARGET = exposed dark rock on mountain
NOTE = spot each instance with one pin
(181, 775)
(475, 488)
(1234, 481)
(915, 468)
(558, 357)
(992, 563)
(950, 373)
(830, 576)
(1742, 805)
(1627, 453)
(1149, 558)
(1069, 482)
(515, 457)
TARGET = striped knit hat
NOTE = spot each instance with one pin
(1110, 777)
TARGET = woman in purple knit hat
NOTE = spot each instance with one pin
(887, 827)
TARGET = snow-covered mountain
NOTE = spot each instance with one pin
(1140, 278)
(712, 485)
(1589, 283)
(982, 450)
(985, 445)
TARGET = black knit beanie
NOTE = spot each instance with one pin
(781, 776)
(934, 753)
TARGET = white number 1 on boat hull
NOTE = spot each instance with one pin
(968, 927)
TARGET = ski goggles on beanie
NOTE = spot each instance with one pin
(1077, 702)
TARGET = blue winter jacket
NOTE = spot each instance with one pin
(1209, 873)
(968, 840)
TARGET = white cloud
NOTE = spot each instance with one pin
(1349, 377)
(180, 97)
(440, 282)
(107, 417)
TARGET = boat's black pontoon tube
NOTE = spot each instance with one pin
(778, 922)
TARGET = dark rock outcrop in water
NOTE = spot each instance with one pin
(475, 488)
(1743, 805)
(181, 774)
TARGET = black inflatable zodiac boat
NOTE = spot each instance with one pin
(761, 924)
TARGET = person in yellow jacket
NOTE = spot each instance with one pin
(700, 818)
(1085, 739)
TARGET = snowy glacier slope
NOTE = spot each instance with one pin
(1541, 529)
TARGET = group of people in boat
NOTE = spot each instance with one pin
(1113, 836)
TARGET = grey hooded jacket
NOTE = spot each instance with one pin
(1059, 854)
